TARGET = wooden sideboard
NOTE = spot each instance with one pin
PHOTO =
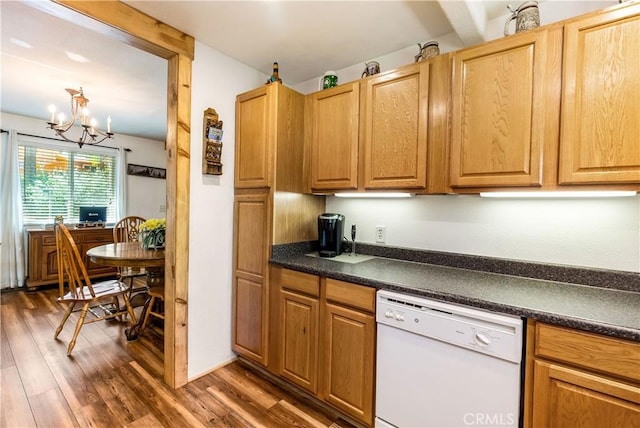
(43, 265)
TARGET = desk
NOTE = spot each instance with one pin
(123, 254)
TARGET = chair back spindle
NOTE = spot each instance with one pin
(127, 229)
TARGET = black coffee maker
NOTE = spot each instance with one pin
(330, 234)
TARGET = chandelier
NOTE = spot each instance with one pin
(90, 135)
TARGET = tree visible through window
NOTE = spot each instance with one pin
(58, 182)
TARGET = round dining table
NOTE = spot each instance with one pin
(122, 254)
(131, 254)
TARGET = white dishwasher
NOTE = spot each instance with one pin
(444, 365)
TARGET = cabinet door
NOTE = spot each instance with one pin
(43, 258)
(348, 364)
(394, 129)
(499, 112)
(48, 261)
(299, 339)
(600, 140)
(565, 397)
(255, 137)
(251, 252)
(334, 118)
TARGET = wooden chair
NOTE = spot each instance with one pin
(154, 306)
(92, 297)
(126, 230)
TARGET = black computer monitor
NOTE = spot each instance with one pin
(93, 214)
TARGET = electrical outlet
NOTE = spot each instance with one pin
(381, 234)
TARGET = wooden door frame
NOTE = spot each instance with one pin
(128, 25)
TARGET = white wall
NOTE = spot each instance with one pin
(216, 80)
(598, 233)
(145, 195)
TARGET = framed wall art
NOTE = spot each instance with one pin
(146, 171)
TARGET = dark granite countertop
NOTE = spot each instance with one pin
(599, 309)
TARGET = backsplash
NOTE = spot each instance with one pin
(590, 233)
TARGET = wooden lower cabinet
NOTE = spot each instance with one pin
(583, 379)
(250, 274)
(349, 352)
(566, 397)
(326, 340)
(43, 263)
(249, 319)
(299, 307)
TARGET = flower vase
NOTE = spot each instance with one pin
(152, 233)
(152, 239)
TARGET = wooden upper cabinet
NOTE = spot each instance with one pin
(394, 129)
(270, 139)
(388, 131)
(600, 140)
(333, 120)
(501, 110)
(254, 137)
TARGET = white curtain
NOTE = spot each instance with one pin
(121, 184)
(12, 247)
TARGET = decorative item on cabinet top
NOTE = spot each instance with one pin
(275, 76)
(371, 68)
(428, 50)
(212, 144)
(329, 80)
(526, 15)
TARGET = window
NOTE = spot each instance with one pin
(58, 181)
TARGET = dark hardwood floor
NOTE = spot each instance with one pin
(108, 382)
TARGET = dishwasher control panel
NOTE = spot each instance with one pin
(496, 334)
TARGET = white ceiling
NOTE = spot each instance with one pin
(305, 37)
(119, 80)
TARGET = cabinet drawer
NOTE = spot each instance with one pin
(104, 237)
(49, 240)
(299, 281)
(357, 296)
(600, 353)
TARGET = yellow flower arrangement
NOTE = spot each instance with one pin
(152, 233)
